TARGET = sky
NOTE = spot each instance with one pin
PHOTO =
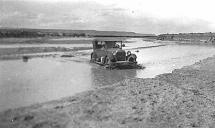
(142, 16)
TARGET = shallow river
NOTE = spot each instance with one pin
(44, 79)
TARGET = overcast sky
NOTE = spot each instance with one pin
(143, 16)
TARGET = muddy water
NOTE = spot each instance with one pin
(44, 45)
(44, 79)
(165, 59)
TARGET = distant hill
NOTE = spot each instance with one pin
(25, 32)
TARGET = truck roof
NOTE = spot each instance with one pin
(110, 39)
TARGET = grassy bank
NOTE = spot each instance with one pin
(183, 98)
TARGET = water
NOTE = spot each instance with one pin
(43, 45)
(167, 58)
(44, 79)
(72, 38)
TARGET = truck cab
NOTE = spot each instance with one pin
(109, 52)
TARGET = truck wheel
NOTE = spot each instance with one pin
(93, 56)
(106, 60)
(132, 58)
(103, 60)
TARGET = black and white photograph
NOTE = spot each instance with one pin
(107, 64)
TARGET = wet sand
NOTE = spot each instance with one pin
(183, 98)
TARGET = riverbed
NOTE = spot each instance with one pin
(44, 79)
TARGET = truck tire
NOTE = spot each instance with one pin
(93, 56)
(132, 58)
(107, 59)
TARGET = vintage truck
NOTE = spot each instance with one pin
(108, 52)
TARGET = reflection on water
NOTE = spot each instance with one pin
(44, 79)
(102, 77)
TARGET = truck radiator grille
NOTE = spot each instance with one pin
(120, 56)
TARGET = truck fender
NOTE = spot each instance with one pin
(132, 58)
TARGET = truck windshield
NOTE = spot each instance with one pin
(113, 44)
(100, 45)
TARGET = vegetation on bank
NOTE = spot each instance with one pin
(23, 33)
(29, 33)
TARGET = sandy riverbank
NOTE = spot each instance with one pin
(183, 98)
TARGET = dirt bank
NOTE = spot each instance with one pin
(183, 98)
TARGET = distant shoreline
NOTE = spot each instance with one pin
(28, 33)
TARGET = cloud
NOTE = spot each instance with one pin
(92, 15)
